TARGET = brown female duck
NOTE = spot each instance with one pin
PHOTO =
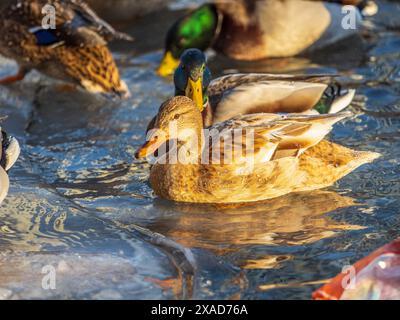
(285, 153)
(75, 51)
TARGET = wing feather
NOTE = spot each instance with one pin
(76, 23)
(231, 81)
(268, 97)
(236, 94)
(265, 137)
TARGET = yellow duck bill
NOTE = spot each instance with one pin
(150, 146)
(167, 65)
(194, 90)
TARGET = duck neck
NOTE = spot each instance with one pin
(207, 114)
(187, 148)
(192, 147)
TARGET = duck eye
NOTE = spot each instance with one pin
(176, 117)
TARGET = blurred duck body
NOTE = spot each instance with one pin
(75, 51)
(287, 154)
(9, 153)
(257, 29)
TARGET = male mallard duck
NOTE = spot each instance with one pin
(9, 153)
(231, 95)
(258, 29)
(76, 50)
(269, 155)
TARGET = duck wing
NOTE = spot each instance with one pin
(76, 23)
(230, 81)
(269, 96)
(254, 93)
(259, 138)
(85, 16)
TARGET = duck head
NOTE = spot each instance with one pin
(178, 119)
(192, 77)
(195, 30)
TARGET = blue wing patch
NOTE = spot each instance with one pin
(45, 37)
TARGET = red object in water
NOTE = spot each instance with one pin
(378, 277)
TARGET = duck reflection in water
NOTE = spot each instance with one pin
(292, 220)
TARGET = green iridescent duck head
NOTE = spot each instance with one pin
(192, 77)
(195, 30)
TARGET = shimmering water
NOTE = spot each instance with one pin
(80, 202)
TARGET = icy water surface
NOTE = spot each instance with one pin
(80, 203)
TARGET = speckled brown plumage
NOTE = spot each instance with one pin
(263, 173)
(219, 184)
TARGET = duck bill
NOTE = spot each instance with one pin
(150, 147)
(168, 65)
(194, 91)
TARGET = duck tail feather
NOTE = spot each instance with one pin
(342, 102)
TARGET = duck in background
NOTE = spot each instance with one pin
(123, 10)
(235, 94)
(257, 29)
(9, 153)
(285, 153)
(75, 51)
